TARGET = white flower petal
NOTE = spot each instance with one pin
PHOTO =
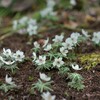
(48, 47)
(58, 38)
(6, 62)
(9, 80)
(47, 96)
(45, 42)
(44, 77)
(36, 44)
(76, 67)
(34, 56)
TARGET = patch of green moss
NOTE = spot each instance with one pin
(89, 60)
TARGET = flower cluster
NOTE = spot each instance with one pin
(71, 41)
(49, 9)
(25, 25)
(9, 59)
(58, 54)
(55, 52)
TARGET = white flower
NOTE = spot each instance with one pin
(96, 37)
(85, 33)
(75, 34)
(9, 80)
(23, 20)
(6, 62)
(58, 38)
(41, 60)
(63, 51)
(15, 24)
(76, 67)
(51, 3)
(32, 30)
(47, 11)
(68, 44)
(48, 96)
(74, 37)
(48, 47)
(58, 62)
(19, 56)
(44, 77)
(36, 44)
(34, 56)
(32, 22)
(45, 42)
(7, 52)
(73, 2)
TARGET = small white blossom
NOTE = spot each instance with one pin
(7, 52)
(85, 33)
(63, 51)
(34, 56)
(19, 56)
(36, 44)
(7, 62)
(15, 24)
(23, 20)
(9, 80)
(48, 47)
(74, 37)
(58, 62)
(32, 30)
(32, 22)
(47, 11)
(44, 77)
(73, 2)
(48, 96)
(45, 42)
(96, 37)
(41, 60)
(51, 3)
(68, 44)
(76, 67)
(58, 38)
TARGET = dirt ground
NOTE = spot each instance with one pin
(90, 21)
(60, 87)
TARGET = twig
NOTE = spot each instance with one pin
(5, 36)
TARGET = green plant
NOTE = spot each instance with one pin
(89, 60)
(76, 81)
(9, 60)
(41, 86)
(64, 70)
(7, 87)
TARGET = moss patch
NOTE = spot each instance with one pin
(89, 60)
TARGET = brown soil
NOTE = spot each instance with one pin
(60, 87)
